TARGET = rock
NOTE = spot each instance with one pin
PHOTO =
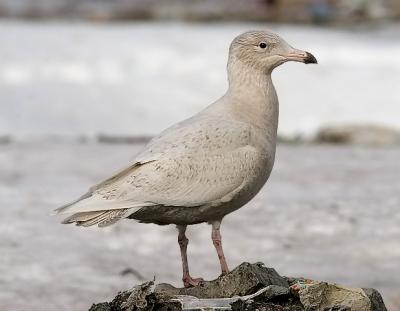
(114, 305)
(243, 280)
(137, 298)
(372, 135)
(249, 287)
(324, 296)
(377, 303)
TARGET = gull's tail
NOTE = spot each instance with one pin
(100, 218)
(90, 210)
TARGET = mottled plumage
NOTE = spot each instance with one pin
(209, 165)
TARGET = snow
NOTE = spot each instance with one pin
(328, 213)
(81, 79)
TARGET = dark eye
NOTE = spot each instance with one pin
(262, 45)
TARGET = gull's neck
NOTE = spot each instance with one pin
(252, 97)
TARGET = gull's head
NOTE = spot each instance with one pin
(264, 50)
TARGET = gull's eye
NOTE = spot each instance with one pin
(262, 45)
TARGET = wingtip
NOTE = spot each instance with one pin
(59, 210)
(53, 213)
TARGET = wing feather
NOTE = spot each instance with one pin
(203, 163)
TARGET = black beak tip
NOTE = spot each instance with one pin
(310, 59)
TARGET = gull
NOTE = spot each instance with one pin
(207, 166)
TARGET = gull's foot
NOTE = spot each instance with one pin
(190, 282)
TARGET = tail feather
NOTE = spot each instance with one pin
(100, 218)
(83, 216)
(94, 221)
(116, 216)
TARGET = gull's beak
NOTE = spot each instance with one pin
(300, 56)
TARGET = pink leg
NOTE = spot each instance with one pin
(216, 238)
(183, 242)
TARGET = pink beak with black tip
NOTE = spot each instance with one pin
(300, 56)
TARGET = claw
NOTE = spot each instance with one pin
(190, 282)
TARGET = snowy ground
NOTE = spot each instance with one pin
(137, 78)
(327, 213)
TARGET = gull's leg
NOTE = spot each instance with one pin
(216, 238)
(183, 242)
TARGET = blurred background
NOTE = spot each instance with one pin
(85, 83)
